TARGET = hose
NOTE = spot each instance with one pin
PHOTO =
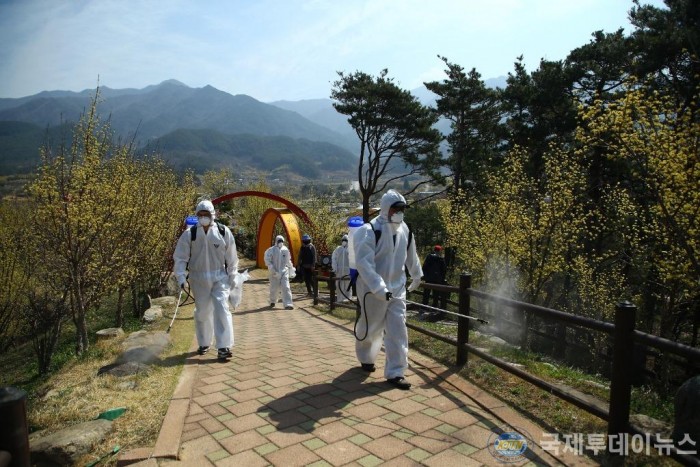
(364, 307)
(359, 309)
(188, 295)
(358, 315)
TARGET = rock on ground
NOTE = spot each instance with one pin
(141, 349)
(155, 342)
(168, 301)
(64, 447)
(153, 314)
(123, 369)
(109, 333)
(687, 416)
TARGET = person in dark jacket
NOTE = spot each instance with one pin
(435, 271)
(307, 261)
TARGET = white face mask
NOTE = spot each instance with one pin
(344, 243)
(204, 221)
(397, 218)
(280, 244)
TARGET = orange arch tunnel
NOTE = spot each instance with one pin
(266, 227)
(266, 231)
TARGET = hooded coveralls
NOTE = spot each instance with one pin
(279, 263)
(340, 262)
(380, 265)
(209, 280)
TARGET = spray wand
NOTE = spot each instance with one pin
(475, 318)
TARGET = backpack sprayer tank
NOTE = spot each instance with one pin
(354, 223)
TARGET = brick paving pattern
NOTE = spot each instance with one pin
(293, 395)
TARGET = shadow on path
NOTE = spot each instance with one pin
(429, 378)
(302, 410)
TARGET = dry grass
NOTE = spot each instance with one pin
(76, 394)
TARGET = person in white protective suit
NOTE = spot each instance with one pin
(380, 260)
(340, 262)
(278, 260)
(212, 261)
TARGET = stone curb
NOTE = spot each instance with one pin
(168, 443)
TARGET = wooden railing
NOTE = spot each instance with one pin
(624, 336)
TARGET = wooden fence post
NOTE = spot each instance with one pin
(622, 368)
(465, 283)
(14, 432)
(331, 287)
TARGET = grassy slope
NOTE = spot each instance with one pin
(73, 392)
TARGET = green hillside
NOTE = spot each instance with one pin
(203, 150)
(199, 150)
(20, 144)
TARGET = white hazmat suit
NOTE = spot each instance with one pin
(278, 260)
(212, 261)
(340, 262)
(380, 265)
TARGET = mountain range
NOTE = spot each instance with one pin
(198, 128)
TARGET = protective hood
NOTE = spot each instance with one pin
(389, 198)
(205, 205)
(344, 238)
(278, 238)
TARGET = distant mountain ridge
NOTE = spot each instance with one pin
(178, 119)
(157, 110)
(154, 112)
(321, 111)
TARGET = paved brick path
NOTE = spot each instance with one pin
(292, 395)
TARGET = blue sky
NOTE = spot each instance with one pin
(282, 49)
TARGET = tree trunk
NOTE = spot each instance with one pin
(119, 316)
(649, 305)
(135, 301)
(560, 339)
(80, 319)
(82, 343)
(696, 324)
(524, 331)
(45, 346)
(365, 206)
(564, 299)
(662, 365)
